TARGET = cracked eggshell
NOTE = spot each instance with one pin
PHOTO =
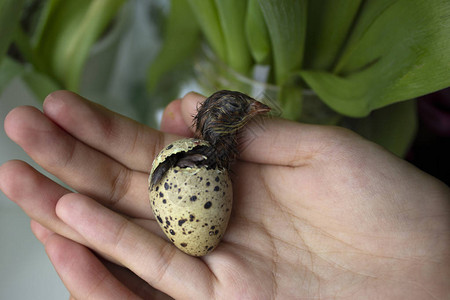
(183, 145)
(191, 205)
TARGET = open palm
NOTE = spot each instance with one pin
(318, 211)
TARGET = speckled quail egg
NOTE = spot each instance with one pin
(189, 185)
(191, 204)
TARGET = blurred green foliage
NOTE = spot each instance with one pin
(361, 58)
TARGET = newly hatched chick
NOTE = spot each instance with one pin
(190, 189)
(218, 121)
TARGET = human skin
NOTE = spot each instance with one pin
(319, 212)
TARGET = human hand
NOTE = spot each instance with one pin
(318, 211)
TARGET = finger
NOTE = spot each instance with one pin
(150, 257)
(172, 120)
(136, 284)
(40, 232)
(269, 140)
(82, 273)
(286, 143)
(83, 168)
(37, 195)
(126, 277)
(127, 141)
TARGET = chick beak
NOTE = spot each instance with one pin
(257, 107)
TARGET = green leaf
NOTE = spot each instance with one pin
(369, 14)
(232, 19)
(329, 22)
(399, 50)
(23, 42)
(290, 97)
(208, 18)
(9, 69)
(257, 34)
(9, 19)
(286, 22)
(393, 127)
(68, 33)
(40, 84)
(347, 96)
(42, 20)
(181, 38)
